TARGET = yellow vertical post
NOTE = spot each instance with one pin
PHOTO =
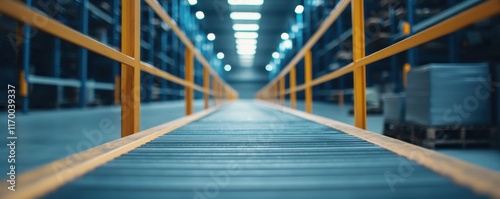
(130, 75)
(206, 86)
(23, 85)
(358, 37)
(282, 91)
(308, 80)
(406, 69)
(189, 76)
(117, 89)
(293, 83)
(214, 93)
(276, 94)
(341, 98)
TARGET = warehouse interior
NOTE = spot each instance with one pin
(250, 98)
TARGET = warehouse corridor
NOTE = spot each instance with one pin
(209, 99)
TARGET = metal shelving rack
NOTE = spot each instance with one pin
(71, 76)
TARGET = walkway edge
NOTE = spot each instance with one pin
(480, 180)
(40, 181)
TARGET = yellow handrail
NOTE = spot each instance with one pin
(130, 56)
(472, 15)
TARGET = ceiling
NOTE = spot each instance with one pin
(275, 19)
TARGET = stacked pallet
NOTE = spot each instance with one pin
(446, 105)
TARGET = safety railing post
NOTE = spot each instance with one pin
(358, 37)
(293, 84)
(341, 98)
(282, 91)
(214, 91)
(189, 77)
(308, 80)
(276, 94)
(206, 86)
(130, 75)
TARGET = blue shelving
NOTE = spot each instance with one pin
(61, 74)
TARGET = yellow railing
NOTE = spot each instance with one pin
(129, 57)
(277, 93)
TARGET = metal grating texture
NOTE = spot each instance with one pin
(246, 150)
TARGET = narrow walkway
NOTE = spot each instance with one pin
(247, 150)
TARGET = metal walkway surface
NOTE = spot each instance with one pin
(248, 150)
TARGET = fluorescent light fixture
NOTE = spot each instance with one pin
(192, 2)
(246, 35)
(276, 55)
(245, 15)
(245, 27)
(246, 46)
(299, 9)
(247, 56)
(245, 2)
(211, 36)
(220, 55)
(246, 52)
(200, 15)
(288, 43)
(269, 67)
(246, 41)
(227, 67)
(285, 36)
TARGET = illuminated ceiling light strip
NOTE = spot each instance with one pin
(299, 9)
(245, 27)
(284, 36)
(200, 15)
(245, 2)
(245, 15)
(246, 41)
(246, 52)
(269, 67)
(246, 46)
(248, 35)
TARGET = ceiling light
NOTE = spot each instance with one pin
(200, 15)
(211, 36)
(247, 35)
(276, 55)
(245, 27)
(192, 2)
(246, 41)
(227, 67)
(245, 15)
(246, 46)
(269, 67)
(220, 55)
(245, 2)
(288, 43)
(246, 64)
(246, 56)
(284, 36)
(246, 52)
(299, 9)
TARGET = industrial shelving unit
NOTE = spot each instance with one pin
(387, 22)
(71, 76)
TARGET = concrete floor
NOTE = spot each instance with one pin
(75, 130)
(46, 136)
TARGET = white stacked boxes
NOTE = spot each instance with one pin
(449, 95)
(394, 107)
